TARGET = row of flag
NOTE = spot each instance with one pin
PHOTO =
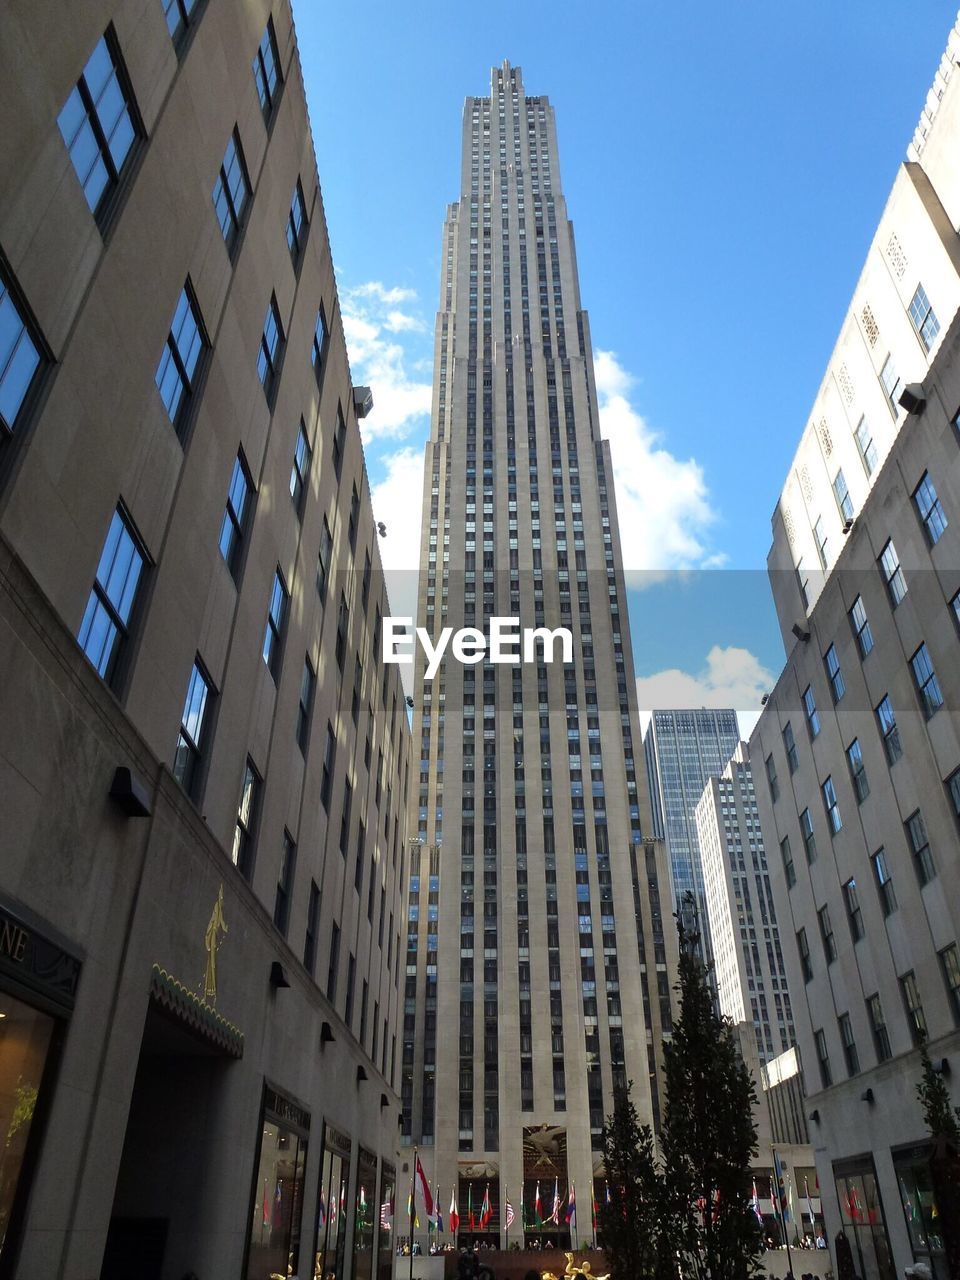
(421, 1191)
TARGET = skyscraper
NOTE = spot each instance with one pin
(538, 965)
(683, 749)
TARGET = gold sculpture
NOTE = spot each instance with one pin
(212, 941)
(573, 1269)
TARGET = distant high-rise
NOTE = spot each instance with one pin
(749, 968)
(538, 965)
(683, 749)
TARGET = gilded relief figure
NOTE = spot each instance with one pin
(212, 941)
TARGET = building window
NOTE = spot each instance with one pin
(300, 471)
(323, 559)
(351, 983)
(308, 684)
(878, 1029)
(823, 1059)
(955, 606)
(271, 351)
(266, 71)
(231, 191)
(868, 450)
(99, 125)
(831, 806)
(20, 358)
(281, 907)
(826, 934)
(881, 873)
(179, 15)
(790, 747)
(888, 730)
(247, 813)
(920, 846)
(180, 362)
(334, 965)
(834, 674)
(789, 870)
(925, 678)
(914, 1009)
(892, 574)
(930, 510)
(891, 385)
(234, 525)
(861, 627)
(858, 773)
(809, 841)
(923, 318)
(849, 1045)
(772, 779)
(365, 584)
(329, 761)
(950, 967)
(953, 787)
(313, 924)
(105, 629)
(343, 623)
(193, 729)
(345, 816)
(842, 495)
(854, 914)
(339, 440)
(803, 950)
(354, 519)
(319, 341)
(820, 536)
(810, 707)
(276, 619)
(297, 225)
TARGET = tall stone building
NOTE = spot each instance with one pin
(749, 968)
(202, 762)
(682, 750)
(540, 949)
(860, 738)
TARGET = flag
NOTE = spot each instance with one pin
(471, 1222)
(792, 1208)
(806, 1188)
(421, 1177)
(454, 1218)
(436, 1201)
(555, 1212)
(538, 1208)
(321, 1214)
(510, 1215)
(781, 1187)
(571, 1214)
(415, 1217)
(755, 1204)
(486, 1213)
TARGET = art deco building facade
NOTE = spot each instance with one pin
(540, 948)
(202, 763)
(749, 968)
(860, 739)
(682, 750)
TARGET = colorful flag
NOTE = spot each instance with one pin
(781, 1187)
(538, 1208)
(755, 1204)
(471, 1222)
(510, 1215)
(454, 1218)
(486, 1212)
(421, 1177)
(555, 1213)
(267, 1215)
(411, 1212)
(572, 1207)
(791, 1207)
(436, 1201)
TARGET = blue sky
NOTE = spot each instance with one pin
(724, 166)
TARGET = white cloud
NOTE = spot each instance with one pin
(663, 502)
(396, 501)
(732, 677)
(372, 321)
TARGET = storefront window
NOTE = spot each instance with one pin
(274, 1246)
(332, 1207)
(25, 1039)
(919, 1207)
(363, 1219)
(861, 1215)
(383, 1265)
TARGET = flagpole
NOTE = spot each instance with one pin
(413, 1203)
(783, 1221)
(593, 1209)
(573, 1186)
(505, 1200)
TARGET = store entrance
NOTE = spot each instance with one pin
(162, 1192)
